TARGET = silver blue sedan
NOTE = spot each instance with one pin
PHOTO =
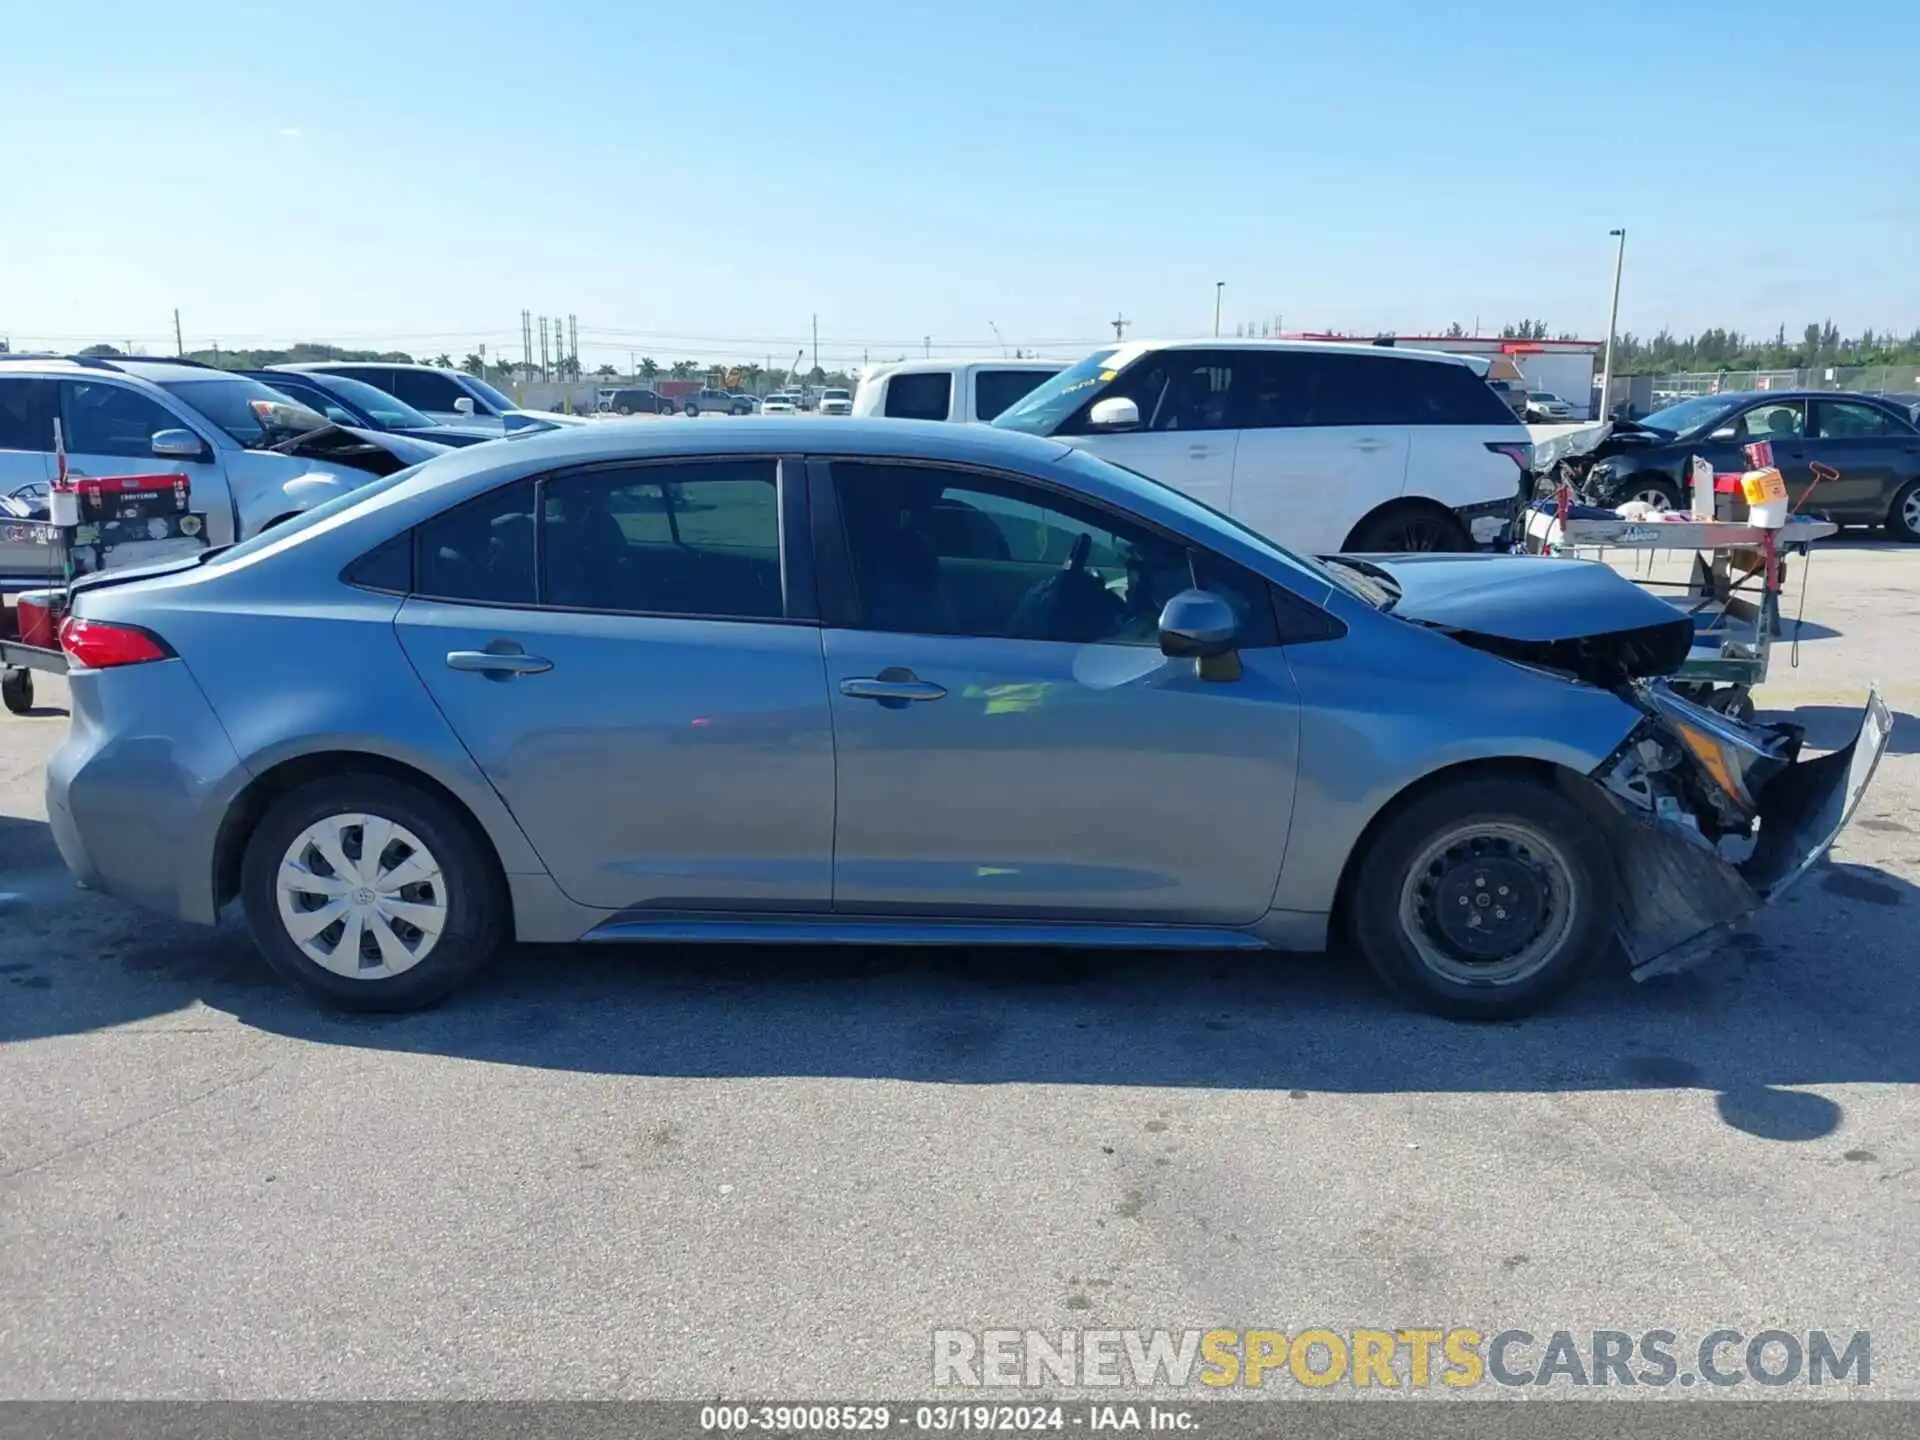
(899, 683)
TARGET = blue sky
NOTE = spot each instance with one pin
(690, 180)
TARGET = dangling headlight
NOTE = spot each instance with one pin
(1738, 758)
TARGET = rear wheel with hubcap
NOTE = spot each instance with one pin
(1408, 529)
(1656, 491)
(1483, 898)
(370, 893)
(1903, 519)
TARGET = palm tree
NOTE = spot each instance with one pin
(682, 370)
(607, 372)
(473, 364)
(648, 369)
(443, 360)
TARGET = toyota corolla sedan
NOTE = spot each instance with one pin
(904, 683)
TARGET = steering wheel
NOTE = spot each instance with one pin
(1077, 560)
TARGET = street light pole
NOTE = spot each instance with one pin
(1613, 321)
(1219, 288)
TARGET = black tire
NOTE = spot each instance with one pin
(693, 411)
(623, 409)
(1732, 702)
(1405, 529)
(1903, 516)
(474, 906)
(16, 691)
(1648, 486)
(1574, 925)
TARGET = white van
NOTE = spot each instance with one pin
(1323, 446)
(957, 390)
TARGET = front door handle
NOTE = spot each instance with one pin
(501, 664)
(1199, 452)
(1371, 445)
(891, 686)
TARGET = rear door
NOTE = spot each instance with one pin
(1318, 451)
(27, 410)
(1188, 432)
(648, 697)
(1875, 453)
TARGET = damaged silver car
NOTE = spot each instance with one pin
(905, 684)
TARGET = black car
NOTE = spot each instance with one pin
(347, 401)
(640, 402)
(1872, 443)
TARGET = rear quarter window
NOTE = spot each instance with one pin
(920, 397)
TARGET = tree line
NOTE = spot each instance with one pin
(1818, 346)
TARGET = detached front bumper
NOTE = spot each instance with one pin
(1678, 898)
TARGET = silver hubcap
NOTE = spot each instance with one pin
(1654, 498)
(1489, 903)
(1910, 512)
(362, 896)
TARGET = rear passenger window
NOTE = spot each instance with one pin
(699, 539)
(919, 397)
(27, 408)
(425, 391)
(482, 552)
(1842, 420)
(1439, 393)
(995, 390)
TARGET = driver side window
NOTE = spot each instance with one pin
(101, 418)
(942, 551)
(1785, 420)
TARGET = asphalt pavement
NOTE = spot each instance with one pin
(700, 1173)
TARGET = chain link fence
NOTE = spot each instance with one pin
(1878, 379)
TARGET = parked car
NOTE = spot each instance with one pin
(1872, 442)
(450, 397)
(836, 402)
(716, 402)
(251, 455)
(639, 402)
(779, 403)
(1322, 446)
(958, 391)
(346, 401)
(1513, 393)
(947, 684)
(1545, 406)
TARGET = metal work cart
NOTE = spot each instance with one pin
(1732, 594)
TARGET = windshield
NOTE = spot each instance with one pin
(1547, 395)
(387, 412)
(1041, 411)
(307, 519)
(250, 412)
(1699, 413)
(836, 395)
(486, 392)
(1189, 508)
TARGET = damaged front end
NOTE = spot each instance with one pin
(1716, 818)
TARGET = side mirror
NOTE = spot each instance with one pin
(1725, 432)
(464, 405)
(1197, 625)
(177, 445)
(1116, 412)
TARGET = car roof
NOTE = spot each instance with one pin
(326, 365)
(935, 366)
(1745, 395)
(140, 369)
(1311, 347)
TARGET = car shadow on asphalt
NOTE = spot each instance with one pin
(1820, 993)
(1829, 727)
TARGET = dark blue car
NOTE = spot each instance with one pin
(354, 402)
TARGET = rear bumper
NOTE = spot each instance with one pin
(1678, 900)
(136, 791)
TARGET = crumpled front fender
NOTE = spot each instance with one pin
(1677, 898)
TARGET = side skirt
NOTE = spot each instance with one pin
(861, 930)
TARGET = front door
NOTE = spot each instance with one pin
(1188, 430)
(109, 427)
(646, 708)
(1011, 743)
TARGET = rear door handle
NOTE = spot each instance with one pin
(898, 691)
(1200, 451)
(502, 663)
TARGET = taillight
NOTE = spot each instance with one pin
(1518, 451)
(98, 645)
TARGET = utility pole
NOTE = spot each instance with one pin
(526, 338)
(1613, 320)
(927, 343)
(1219, 289)
(179, 345)
(1119, 323)
(573, 346)
(816, 342)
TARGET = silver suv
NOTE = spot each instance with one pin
(251, 455)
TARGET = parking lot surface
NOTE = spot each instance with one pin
(627, 1173)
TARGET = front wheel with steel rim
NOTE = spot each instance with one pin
(1654, 491)
(1903, 520)
(370, 893)
(1484, 897)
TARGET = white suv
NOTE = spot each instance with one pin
(1323, 446)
